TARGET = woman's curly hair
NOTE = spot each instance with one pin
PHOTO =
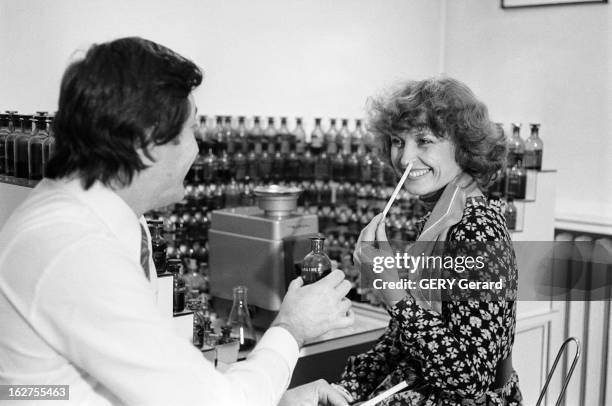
(450, 109)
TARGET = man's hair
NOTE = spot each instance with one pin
(450, 109)
(110, 100)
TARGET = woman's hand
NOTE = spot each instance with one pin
(366, 251)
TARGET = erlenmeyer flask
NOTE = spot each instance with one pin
(240, 320)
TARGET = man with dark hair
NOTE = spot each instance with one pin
(77, 305)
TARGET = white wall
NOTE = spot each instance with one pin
(277, 57)
(550, 65)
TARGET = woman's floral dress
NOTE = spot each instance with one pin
(449, 358)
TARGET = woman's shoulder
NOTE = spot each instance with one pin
(482, 220)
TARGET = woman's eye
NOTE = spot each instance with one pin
(424, 141)
(397, 142)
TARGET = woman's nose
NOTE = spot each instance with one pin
(408, 154)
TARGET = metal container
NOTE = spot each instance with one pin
(277, 201)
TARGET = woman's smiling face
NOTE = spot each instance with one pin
(433, 160)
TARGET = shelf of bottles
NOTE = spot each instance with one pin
(26, 144)
(344, 179)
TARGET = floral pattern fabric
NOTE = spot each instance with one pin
(449, 358)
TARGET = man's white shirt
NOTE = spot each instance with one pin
(76, 309)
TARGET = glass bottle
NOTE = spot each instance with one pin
(516, 146)
(306, 165)
(178, 285)
(232, 194)
(195, 282)
(357, 138)
(322, 166)
(36, 145)
(230, 136)
(352, 167)
(209, 166)
(225, 167)
(252, 160)
(533, 149)
(284, 137)
(198, 323)
(255, 135)
(316, 138)
(510, 214)
(331, 136)
(21, 146)
(240, 320)
(292, 166)
(269, 137)
(242, 136)
(159, 246)
(316, 264)
(343, 140)
(300, 137)
(4, 132)
(338, 167)
(9, 144)
(516, 181)
(265, 165)
(217, 136)
(200, 134)
(48, 145)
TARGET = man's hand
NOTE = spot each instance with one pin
(314, 394)
(312, 310)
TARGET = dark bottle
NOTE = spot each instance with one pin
(252, 161)
(159, 246)
(36, 145)
(378, 169)
(316, 264)
(352, 167)
(198, 323)
(338, 167)
(9, 144)
(209, 166)
(4, 132)
(317, 138)
(218, 196)
(269, 137)
(299, 135)
(216, 139)
(510, 214)
(343, 140)
(242, 137)
(325, 194)
(255, 135)
(331, 136)
(265, 165)
(516, 179)
(516, 146)
(200, 134)
(365, 167)
(48, 145)
(306, 165)
(292, 166)
(533, 149)
(196, 172)
(225, 168)
(21, 146)
(239, 320)
(284, 137)
(231, 136)
(240, 151)
(278, 166)
(232, 194)
(357, 139)
(322, 167)
(178, 285)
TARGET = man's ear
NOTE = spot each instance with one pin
(150, 153)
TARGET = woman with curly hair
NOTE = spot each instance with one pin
(448, 351)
